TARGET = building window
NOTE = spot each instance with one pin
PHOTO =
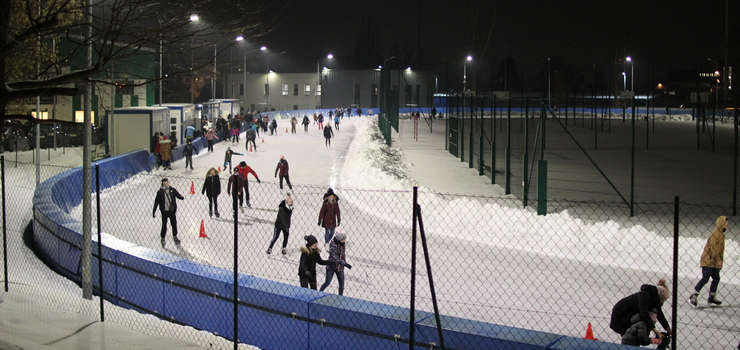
(285, 89)
(295, 89)
(318, 89)
(267, 89)
(307, 89)
(357, 94)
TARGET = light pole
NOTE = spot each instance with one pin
(263, 48)
(716, 82)
(632, 74)
(213, 79)
(193, 18)
(624, 76)
(465, 70)
(318, 76)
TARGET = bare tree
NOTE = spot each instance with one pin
(32, 62)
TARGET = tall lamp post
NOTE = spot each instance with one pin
(632, 74)
(263, 48)
(716, 82)
(318, 76)
(465, 70)
(193, 18)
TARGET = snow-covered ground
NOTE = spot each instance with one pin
(492, 260)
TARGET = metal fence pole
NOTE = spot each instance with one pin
(236, 267)
(412, 307)
(674, 308)
(100, 243)
(5, 227)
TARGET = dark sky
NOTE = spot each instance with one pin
(667, 35)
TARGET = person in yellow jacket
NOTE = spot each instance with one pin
(712, 259)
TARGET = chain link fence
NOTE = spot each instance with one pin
(491, 260)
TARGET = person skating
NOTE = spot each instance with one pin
(282, 170)
(212, 188)
(245, 170)
(188, 153)
(329, 217)
(712, 261)
(235, 188)
(210, 135)
(328, 134)
(165, 148)
(650, 297)
(273, 127)
(282, 223)
(251, 137)
(166, 201)
(337, 262)
(310, 256)
(293, 122)
(227, 158)
(305, 124)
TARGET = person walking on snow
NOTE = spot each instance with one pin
(235, 188)
(245, 170)
(227, 158)
(712, 261)
(329, 217)
(305, 123)
(337, 262)
(212, 188)
(283, 168)
(310, 256)
(188, 153)
(328, 134)
(165, 200)
(282, 223)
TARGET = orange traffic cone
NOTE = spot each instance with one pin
(286, 129)
(202, 229)
(192, 187)
(219, 168)
(589, 333)
(250, 147)
(263, 140)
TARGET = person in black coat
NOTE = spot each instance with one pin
(309, 258)
(282, 223)
(188, 153)
(165, 201)
(328, 134)
(212, 188)
(649, 297)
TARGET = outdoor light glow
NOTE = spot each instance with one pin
(239, 38)
(408, 68)
(660, 86)
(263, 48)
(329, 56)
(469, 58)
(629, 59)
(194, 18)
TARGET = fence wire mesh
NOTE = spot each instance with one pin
(492, 260)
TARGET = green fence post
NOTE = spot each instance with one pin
(542, 187)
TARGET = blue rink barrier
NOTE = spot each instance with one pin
(190, 293)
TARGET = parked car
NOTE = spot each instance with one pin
(49, 136)
(76, 134)
(14, 136)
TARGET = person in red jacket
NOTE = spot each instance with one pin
(282, 168)
(245, 170)
(329, 217)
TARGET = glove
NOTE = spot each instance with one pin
(258, 181)
(319, 222)
(348, 266)
(339, 223)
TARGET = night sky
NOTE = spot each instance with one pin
(666, 35)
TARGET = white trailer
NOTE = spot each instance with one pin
(132, 128)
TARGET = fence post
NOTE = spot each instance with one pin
(5, 227)
(508, 147)
(236, 269)
(413, 270)
(100, 242)
(674, 308)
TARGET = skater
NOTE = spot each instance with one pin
(310, 256)
(336, 121)
(190, 132)
(227, 158)
(283, 168)
(188, 153)
(273, 127)
(337, 262)
(282, 223)
(165, 201)
(210, 135)
(235, 135)
(212, 188)
(321, 121)
(293, 122)
(235, 188)
(315, 118)
(328, 134)
(329, 217)
(712, 259)
(305, 123)
(245, 170)
(165, 148)
(649, 297)
(251, 137)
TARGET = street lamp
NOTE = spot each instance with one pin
(318, 75)
(624, 76)
(632, 74)
(716, 82)
(263, 48)
(193, 18)
(465, 70)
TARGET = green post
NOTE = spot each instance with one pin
(470, 150)
(508, 171)
(525, 176)
(480, 155)
(542, 187)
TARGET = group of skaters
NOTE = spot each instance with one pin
(634, 317)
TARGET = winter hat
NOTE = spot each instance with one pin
(663, 292)
(340, 236)
(242, 164)
(310, 240)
